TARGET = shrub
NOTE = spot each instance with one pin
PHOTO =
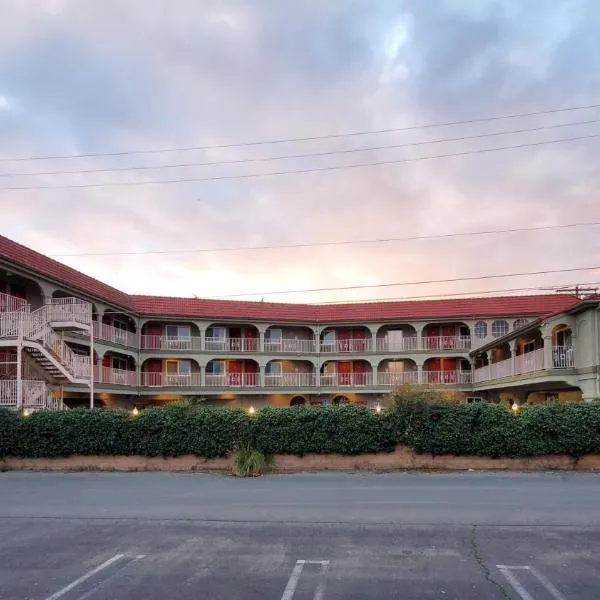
(425, 424)
(249, 462)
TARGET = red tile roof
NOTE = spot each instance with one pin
(511, 306)
(47, 267)
(506, 306)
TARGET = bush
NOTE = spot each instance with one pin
(424, 424)
(248, 462)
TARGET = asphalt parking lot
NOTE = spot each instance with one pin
(163, 536)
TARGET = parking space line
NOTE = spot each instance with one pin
(115, 574)
(85, 577)
(292, 583)
(516, 584)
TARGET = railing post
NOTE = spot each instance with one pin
(20, 363)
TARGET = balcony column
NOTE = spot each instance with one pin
(202, 376)
(513, 355)
(373, 329)
(419, 327)
(420, 361)
(261, 375)
(548, 360)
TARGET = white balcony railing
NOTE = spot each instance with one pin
(69, 310)
(346, 379)
(232, 380)
(446, 342)
(395, 379)
(116, 376)
(286, 345)
(529, 362)
(346, 346)
(214, 344)
(401, 345)
(10, 303)
(446, 377)
(36, 395)
(166, 342)
(299, 380)
(170, 379)
(116, 335)
(563, 357)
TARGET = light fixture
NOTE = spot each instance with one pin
(26, 412)
(515, 407)
(135, 412)
(378, 409)
(251, 410)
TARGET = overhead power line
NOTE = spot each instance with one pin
(302, 155)
(304, 139)
(299, 171)
(337, 243)
(475, 294)
(405, 283)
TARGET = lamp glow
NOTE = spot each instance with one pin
(135, 412)
(251, 410)
(515, 407)
(26, 412)
(378, 409)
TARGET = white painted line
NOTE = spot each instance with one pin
(85, 577)
(547, 584)
(111, 577)
(506, 571)
(290, 588)
(320, 591)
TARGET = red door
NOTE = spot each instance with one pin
(344, 338)
(360, 372)
(344, 371)
(154, 332)
(234, 372)
(432, 370)
(448, 370)
(154, 372)
(250, 373)
(448, 337)
(360, 340)
(432, 334)
(249, 340)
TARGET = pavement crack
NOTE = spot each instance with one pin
(481, 562)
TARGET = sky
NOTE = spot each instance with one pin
(122, 76)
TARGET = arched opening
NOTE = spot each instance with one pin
(224, 337)
(340, 400)
(118, 369)
(298, 401)
(396, 372)
(447, 336)
(21, 287)
(170, 336)
(499, 328)
(232, 373)
(350, 373)
(345, 339)
(170, 372)
(289, 339)
(118, 328)
(563, 356)
(396, 338)
(289, 373)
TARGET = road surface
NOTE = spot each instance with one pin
(463, 536)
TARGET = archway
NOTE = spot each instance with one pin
(340, 400)
(297, 401)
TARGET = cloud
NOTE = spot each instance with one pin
(91, 76)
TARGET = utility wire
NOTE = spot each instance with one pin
(553, 288)
(306, 139)
(297, 156)
(298, 171)
(404, 283)
(338, 243)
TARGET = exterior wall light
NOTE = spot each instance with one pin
(135, 412)
(251, 410)
(26, 412)
(378, 409)
(515, 407)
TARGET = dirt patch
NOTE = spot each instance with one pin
(402, 459)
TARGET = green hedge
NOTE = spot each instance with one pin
(472, 429)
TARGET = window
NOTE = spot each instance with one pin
(216, 367)
(519, 323)
(179, 367)
(499, 328)
(216, 332)
(528, 347)
(274, 335)
(178, 331)
(119, 363)
(274, 368)
(563, 337)
(481, 329)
